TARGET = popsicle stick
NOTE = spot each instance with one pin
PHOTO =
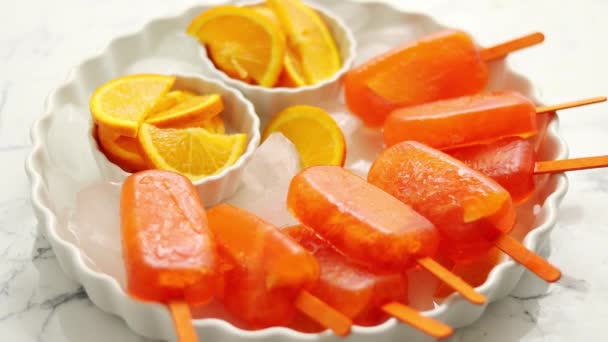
(182, 320)
(323, 314)
(556, 166)
(412, 317)
(501, 50)
(530, 260)
(454, 281)
(578, 103)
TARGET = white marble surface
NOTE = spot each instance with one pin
(41, 40)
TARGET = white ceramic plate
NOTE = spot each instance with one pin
(61, 164)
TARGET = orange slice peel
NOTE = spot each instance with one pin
(310, 38)
(189, 110)
(122, 104)
(243, 43)
(193, 152)
(120, 150)
(315, 134)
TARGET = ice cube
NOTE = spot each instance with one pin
(363, 144)
(95, 225)
(266, 180)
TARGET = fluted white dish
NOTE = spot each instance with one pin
(61, 164)
(239, 116)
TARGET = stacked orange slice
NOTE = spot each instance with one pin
(142, 123)
(281, 44)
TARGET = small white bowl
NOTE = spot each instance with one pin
(269, 101)
(239, 116)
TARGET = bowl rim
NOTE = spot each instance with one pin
(253, 131)
(49, 219)
(246, 87)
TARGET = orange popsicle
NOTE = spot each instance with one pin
(168, 249)
(471, 211)
(474, 273)
(351, 289)
(359, 219)
(462, 121)
(268, 274)
(362, 294)
(438, 66)
(366, 224)
(469, 120)
(510, 162)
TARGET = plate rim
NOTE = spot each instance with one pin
(48, 219)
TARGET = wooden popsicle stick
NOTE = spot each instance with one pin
(530, 260)
(454, 281)
(182, 320)
(412, 317)
(323, 314)
(578, 103)
(503, 49)
(556, 166)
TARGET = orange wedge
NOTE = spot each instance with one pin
(315, 134)
(120, 150)
(292, 75)
(122, 103)
(171, 99)
(310, 38)
(193, 152)
(241, 42)
(189, 110)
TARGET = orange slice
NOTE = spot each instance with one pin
(242, 42)
(193, 152)
(215, 125)
(171, 99)
(292, 75)
(310, 37)
(191, 109)
(122, 103)
(120, 150)
(315, 134)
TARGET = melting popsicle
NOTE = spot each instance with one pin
(268, 275)
(441, 65)
(469, 120)
(366, 296)
(367, 224)
(168, 249)
(471, 211)
(511, 162)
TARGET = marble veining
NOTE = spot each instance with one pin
(41, 41)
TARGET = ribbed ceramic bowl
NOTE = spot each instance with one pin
(61, 166)
(239, 117)
(269, 101)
